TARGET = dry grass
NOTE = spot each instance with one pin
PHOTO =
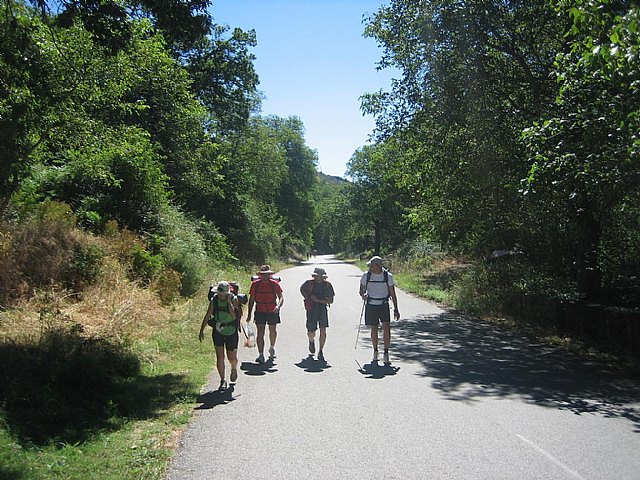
(113, 307)
(117, 306)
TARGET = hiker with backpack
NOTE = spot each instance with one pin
(376, 287)
(222, 316)
(318, 294)
(266, 295)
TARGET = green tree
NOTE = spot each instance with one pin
(585, 150)
(294, 198)
(474, 74)
(375, 200)
(333, 215)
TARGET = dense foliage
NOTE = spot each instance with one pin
(146, 114)
(514, 128)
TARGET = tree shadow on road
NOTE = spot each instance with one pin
(311, 365)
(469, 360)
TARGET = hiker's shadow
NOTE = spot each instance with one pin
(214, 398)
(378, 370)
(258, 369)
(311, 365)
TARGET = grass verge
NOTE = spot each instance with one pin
(101, 409)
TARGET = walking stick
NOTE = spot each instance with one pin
(360, 323)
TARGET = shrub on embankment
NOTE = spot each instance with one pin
(509, 287)
(99, 358)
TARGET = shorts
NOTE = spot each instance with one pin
(263, 318)
(317, 317)
(228, 341)
(376, 313)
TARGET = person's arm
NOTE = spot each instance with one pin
(280, 302)
(330, 294)
(205, 320)
(238, 307)
(250, 307)
(230, 306)
(328, 299)
(363, 290)
(304, 290)
(279, 297)
(394, 298)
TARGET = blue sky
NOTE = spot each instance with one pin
(314, 63)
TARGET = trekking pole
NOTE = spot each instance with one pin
(359, 324)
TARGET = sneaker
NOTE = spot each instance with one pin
(272, 352)
(260, 359)
(234, 375)
(386, 357)
(312, 348)
(375, 355)
(223, 385)
(321, 356)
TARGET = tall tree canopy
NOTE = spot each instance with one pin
(515, 127)
(124, 110)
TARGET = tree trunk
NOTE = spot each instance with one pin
(376, 238)
(588, 275)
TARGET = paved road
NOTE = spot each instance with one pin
(461, 400)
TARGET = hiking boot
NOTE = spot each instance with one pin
(375, 356)
(272, 352)
(386, 357)
(312, 348)
(234, 374)
(260, 359)
(223, 385)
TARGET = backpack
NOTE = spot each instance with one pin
(216, 308)
(308, 303)
(262, 293)
(234, 291)
(384, 280)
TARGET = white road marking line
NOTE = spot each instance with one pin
(552, 458)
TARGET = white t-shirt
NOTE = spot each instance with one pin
(376, 288)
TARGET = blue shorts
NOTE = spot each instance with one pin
(317, 316)
(263, 318)
(373, 314)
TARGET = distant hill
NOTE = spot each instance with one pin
(331, 179)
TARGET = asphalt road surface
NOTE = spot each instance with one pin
(460, 400)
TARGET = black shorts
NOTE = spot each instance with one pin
(263, 318)
(317, 317)
(228, 341)
(373, 314)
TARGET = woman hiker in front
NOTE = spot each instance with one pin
(221, 315)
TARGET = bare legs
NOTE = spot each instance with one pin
(386, 336)
(220, 363)
(273, 335)
(260, 338)
(323, 337)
